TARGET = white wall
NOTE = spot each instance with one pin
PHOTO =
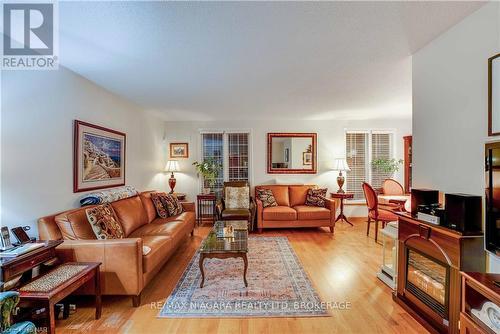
(38, 109)
(331, 144)
(450, 106)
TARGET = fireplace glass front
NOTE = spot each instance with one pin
(427, 279)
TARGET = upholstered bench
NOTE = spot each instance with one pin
(59, 283)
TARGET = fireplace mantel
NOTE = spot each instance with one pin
(449, 252)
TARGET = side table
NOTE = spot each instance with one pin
(21, 266)
(342, 197)
(205, 207)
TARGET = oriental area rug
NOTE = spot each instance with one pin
(277, 286)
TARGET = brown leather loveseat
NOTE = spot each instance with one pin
(124, 270)
(292, 211)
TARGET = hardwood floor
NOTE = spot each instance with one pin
(342, 268)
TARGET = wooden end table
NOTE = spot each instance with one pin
(11, 268)
(342, 197)
(206, 207)
(224, 248)
(52, 295)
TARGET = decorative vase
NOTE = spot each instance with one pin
(206, 191)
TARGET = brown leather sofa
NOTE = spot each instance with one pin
(124, 270)
(292, 211)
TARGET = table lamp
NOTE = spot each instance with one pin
(172, 166)
(341, 165)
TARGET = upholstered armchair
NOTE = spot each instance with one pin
(8, 301)
(236, 203)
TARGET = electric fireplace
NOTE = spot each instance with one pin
(430, 259)
(428, 279)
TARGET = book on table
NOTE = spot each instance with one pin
(21, 249)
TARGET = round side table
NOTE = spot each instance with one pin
(342, 196)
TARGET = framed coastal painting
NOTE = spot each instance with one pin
(98, 157)
(179, 150)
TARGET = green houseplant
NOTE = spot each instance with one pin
(389, 166)
(209, 168)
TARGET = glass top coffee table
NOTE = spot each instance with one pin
(216, 245)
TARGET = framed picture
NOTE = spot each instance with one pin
(494, 95)
(179, 150)
(307, 158)
(98, 157)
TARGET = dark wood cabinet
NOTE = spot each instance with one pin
(479, 290)
(430, 259)
(407, 162)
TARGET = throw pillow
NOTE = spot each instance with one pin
(104, 223)
(267, 197)
(161, 209)
(237, 197)
(174, 207)
(315, 197)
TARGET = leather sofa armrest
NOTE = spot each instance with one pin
(188, 206)
(121, 262)
(330, 205)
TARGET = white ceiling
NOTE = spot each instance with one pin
(255, 60)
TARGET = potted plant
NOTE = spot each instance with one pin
(209, 169)
(389, 166)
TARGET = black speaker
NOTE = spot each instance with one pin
(423, 197)
(463, 212)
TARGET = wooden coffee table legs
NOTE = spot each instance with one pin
(245, 261)
(204, 256)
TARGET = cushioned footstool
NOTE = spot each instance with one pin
(59, 283)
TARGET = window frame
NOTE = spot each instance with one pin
(225, 151)
(368, 170)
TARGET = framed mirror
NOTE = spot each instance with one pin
(494, 95)
(291, 153)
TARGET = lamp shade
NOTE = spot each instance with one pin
(172, 166)
(341, 165)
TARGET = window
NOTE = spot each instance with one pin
(381, 149)
(231, 150)
(213, 148)
(362, 147)
(356, 148)
(238, 156)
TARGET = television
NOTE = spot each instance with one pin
(492, 179)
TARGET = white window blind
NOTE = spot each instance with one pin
(381, 149)
(231, 150)
(361, 149)
(357, 156)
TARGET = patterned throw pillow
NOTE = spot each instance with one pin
(315, 197)
(158, 203)
(237, 197)
(174, 207)
(104, 223)
(267, 197)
